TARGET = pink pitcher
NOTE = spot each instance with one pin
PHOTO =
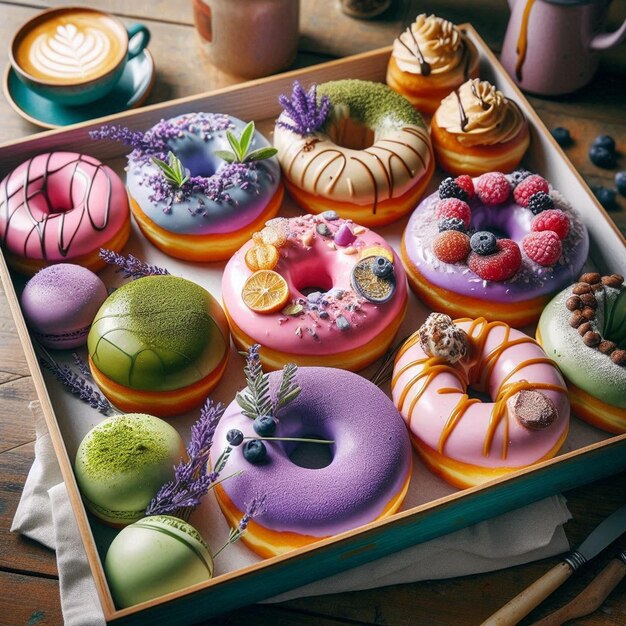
(551, 46)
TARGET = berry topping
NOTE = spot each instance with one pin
(543, 247)
(344, 236)
(451, 246)
(483, 242)
(601, 157)
(439, 337)
(620, 182)
(254, 451)
(604, 141)
(517, 176)
(552, 219)
(562, 136)
(539, 202)
(493, 188)
(466, 183)
(500, 265)
(606, 197)
(382, 267)
(453, 207)
(234, 437)
(264, 425)
(528, 187)
(450, 189)
(452, 223)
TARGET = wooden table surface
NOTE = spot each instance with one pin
(28, 574)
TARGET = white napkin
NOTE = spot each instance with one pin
(44, 514)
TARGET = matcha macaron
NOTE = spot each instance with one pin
(123, 462)
(158, 345)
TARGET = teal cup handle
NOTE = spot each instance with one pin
(138, 39)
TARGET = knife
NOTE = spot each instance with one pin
(522, 604)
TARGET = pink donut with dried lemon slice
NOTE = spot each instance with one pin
(315, 290)
(465, 440)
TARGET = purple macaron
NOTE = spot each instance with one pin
(60, 302)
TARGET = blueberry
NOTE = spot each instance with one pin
(562, 136)
(483, 242)
(254, 451)
(382, 267)
(602, 157)
(517, 176)
(449, 188)
(264, 425)
(620, 182)
(234, 437)
(605, 141)
(451, 223)
(606, 197)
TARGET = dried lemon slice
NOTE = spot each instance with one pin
(265, 291)
(261, 257)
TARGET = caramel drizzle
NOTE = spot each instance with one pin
(38, 227)
(425, 68)
(387, 170)
(478, 373)
(522, 41)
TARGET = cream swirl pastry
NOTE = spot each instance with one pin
(429, 59)
(477, 129)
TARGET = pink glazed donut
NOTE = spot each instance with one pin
(463, 439)
(339, 310)
(62, 207)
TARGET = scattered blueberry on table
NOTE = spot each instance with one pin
(606, 197)
(562, 136)
(620, 182)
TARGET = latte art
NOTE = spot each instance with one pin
(70, 52)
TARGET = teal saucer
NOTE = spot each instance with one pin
(131, 91)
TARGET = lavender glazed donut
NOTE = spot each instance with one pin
(540, 242)
(62, 207)
(366, 479)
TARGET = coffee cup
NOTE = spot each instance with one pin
(74, 55)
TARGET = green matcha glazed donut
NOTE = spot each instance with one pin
(158, 345)
(584, 330)
(360, 149)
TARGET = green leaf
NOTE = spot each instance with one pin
(227, 155)
(235, 145)
(246, 138)
(261, 154)
(173, 171)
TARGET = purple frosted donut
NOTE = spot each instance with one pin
(366, 479)
(60, 302)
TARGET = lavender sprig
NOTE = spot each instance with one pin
(254, 508)
(83, 368)
(191, 479)
(131, 266)
(77, 385)
(304, 110)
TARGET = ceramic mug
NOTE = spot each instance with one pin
(74, 55)
(248, 38)
(551, 47)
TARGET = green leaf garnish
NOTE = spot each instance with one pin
(173, 171)
(241, 145)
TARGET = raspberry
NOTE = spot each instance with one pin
(498, 266)
(529, 186)
(452, 223)
(466, 183)
(453, 207)
(493, 188)
(543, 247)
(539, 202)
(451, 246)
(449, 189)
(552, 219)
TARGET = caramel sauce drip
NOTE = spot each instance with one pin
(522, 42)
(478, 374)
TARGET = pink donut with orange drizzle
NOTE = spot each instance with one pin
(463, 439)
(62, 207)
(338, 313)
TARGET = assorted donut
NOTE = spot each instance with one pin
(319, 296)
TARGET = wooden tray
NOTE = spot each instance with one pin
(589, 453)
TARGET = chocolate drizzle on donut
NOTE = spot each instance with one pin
(462, 115)
(583, 304)
(425, 68)
(39, 226)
